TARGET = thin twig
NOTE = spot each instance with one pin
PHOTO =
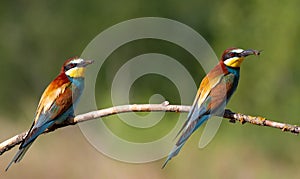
(261, 121)
(164, 107)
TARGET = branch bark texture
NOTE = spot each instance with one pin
(164, 107)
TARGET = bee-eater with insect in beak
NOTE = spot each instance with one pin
(214, 93)
(57, 102)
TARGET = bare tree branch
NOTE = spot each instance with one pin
(164, 107)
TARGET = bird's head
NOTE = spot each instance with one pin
(75, 67)
(233, 57)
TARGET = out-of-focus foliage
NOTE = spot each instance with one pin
(36, 37)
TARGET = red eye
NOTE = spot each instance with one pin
(232, 54)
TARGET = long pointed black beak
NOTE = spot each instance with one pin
(248, 52)
(86, 63)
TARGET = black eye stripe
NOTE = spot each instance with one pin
(69, 66)
(232, 54)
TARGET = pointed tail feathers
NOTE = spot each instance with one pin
(187, 130)
(183, 138)
(19, 155)
(27, 142)
(172, 154)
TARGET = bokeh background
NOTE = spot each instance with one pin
(36, 37)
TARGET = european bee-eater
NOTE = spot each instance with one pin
(57, 102)
(214, 92)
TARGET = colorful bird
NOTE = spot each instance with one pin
(57, 102)
(214, 92)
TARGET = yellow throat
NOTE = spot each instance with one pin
(234, 62)
(77, 72)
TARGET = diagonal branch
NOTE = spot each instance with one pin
(164, 107)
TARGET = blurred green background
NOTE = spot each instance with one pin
(36, 37)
